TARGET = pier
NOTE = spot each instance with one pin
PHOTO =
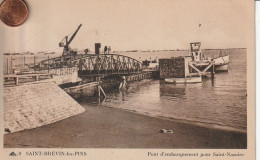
(41, 85)
(17, 76)
(161, 76)
(73, 75)
(51, 92)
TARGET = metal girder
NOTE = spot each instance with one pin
(109, 63)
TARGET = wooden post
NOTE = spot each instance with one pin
(98, 90)
(36, 78)
(69, 62)
(213, 67)
(103, 92)
(213, 70)
(60, 65)
(12, 65)
(16, 80)
(98, 85)
(7, 66)
(98, 101)
(48, 64)
(24, 60)
(34, 61)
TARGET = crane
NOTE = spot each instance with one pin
(67, 50)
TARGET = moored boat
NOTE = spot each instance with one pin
(221, 63)
(151, 65)
(184, 80)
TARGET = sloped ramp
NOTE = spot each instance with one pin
(35, 105)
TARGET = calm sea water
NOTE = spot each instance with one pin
(219, 104)
(222, 104)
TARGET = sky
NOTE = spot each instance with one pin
(130, 25)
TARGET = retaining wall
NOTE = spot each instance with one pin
(34, 105)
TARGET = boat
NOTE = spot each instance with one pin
(184, 80)
(220, 62)
(192, 68)
(151, 65)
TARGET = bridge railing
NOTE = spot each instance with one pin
(91, 64)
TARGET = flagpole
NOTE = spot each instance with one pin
(199, 33)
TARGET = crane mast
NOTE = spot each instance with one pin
(67, 50)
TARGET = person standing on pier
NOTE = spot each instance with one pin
(105, 50)
(109, 49)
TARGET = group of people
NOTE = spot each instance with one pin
(107, 50)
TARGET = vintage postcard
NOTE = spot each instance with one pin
(127, 79)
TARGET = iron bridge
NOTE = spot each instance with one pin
(93, 64)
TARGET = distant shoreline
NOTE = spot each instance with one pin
(138, 51)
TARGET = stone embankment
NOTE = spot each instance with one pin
(34, 105)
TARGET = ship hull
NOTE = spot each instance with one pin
(184, 80)
(221, 63)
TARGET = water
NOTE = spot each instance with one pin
(221, 104)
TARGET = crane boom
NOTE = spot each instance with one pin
(72, 37)
(66, 50)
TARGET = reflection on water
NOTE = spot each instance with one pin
(177, 91)
(220, 103)
(200, 103)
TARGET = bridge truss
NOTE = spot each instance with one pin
(93, 64)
